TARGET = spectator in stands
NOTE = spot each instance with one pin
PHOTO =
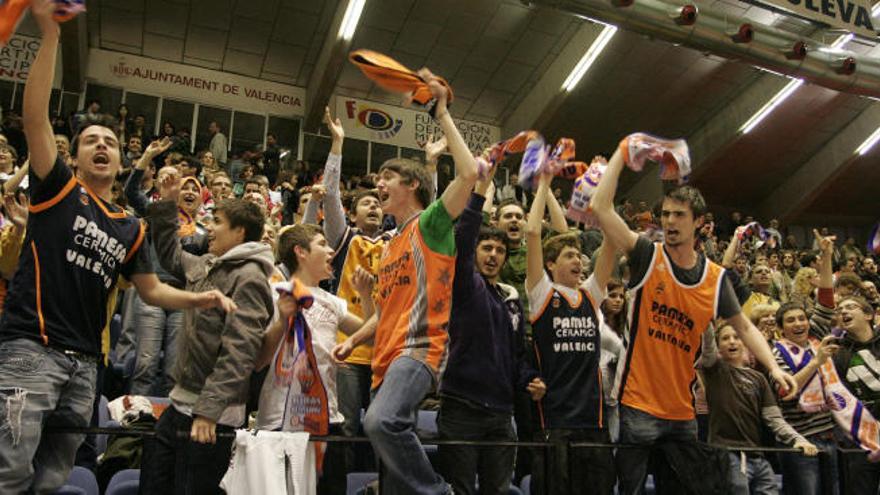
(139, 128)
(614, 327)
(741, 403)
(306, 253)
(51, 338)
(410, 335)
(850, 249)
(124, 122)
(8, 159)
(271, 158)
(569, 360)
(91, 113)
(135, 149)
(868, 270)
(209, 165)
(217, 350)
(655, 394)
(847, 284)
(856, 362)
(763, 316)
(800, 474)
(218, 146)
(221, 187)
(486, 358)
(62, 144)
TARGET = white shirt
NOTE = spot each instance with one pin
(323, 318)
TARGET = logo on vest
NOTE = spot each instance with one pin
(676, 325)
(574, 334)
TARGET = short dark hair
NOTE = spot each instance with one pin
(192, 162)
(507, 202)
(690, 195)
(785, 308)
(861, 301)
(489, 233)
(356, 199)
(848, 278)
(411, 170)
(102, 120)
(241, 213)
(300, 235)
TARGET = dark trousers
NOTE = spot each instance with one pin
(353, 392)
(175, 465)
(569, 470)
(460, 465)
(860, 476)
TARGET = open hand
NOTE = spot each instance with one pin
(433, 149)
(335, 126)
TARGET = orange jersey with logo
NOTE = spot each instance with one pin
(415, 294)
(667, 321)
(366, 253)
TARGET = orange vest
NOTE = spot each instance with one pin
(667, 322)
(366, 253)
(414, 298)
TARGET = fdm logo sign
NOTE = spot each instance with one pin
(381, 123)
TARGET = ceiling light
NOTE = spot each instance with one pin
(351, 18)
(587, 60)
(869, 143)
(770, 105)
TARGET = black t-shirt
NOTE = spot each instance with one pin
(75, 248)
(640, 261)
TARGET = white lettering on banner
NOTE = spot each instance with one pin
(406, 127)
(194, 83)
(850, 15)
(99, 253)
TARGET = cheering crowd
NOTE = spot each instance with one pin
(253, 295)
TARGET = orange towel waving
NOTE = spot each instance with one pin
(396, 77)
(11, 11)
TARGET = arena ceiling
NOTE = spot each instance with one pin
(507, 60)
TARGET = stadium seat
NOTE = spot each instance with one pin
(103, 421)
(80, 481)
(123, 476)
(130, 487)
(526, 484)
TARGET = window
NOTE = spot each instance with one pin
(207, 115)
(354, 158)
(247, 132)
(379, 153)
(286, 132)
(69, 104)
(315, 149)
(6, 90)
(179, 113)
(109, 98)
(146, 105)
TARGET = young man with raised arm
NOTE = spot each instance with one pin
(486, 364)
(414, 298)
(677, 293)
(77, 244)
(566, 318)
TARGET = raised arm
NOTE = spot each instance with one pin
(136, 198)
(534, 248)
(433, 150)
(456, 195)
(12, 184)
(163, 227)
(37, 91)
(602, 204)
(603, 263)
(730, 253)
(826, 272)
(557, 216)
(334, 216)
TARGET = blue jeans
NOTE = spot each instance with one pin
(156, 332)
(353, 392)
(802, 475)
(759, 478)
(41, 386)
(639, 427)
(390, 425)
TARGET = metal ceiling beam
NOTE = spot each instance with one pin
(814, 176)
(743, 39)
(541, 104)
(322, 83)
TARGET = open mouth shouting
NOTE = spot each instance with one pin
(101, 158)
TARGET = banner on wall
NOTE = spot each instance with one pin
(210, 87)
(405, 127)
(17, 56)
(850, 15)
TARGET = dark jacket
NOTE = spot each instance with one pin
(843, 360)
(217, 351)
(486, 357)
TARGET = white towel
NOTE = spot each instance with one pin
(271, 462)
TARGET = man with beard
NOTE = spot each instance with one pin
(486, 363)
